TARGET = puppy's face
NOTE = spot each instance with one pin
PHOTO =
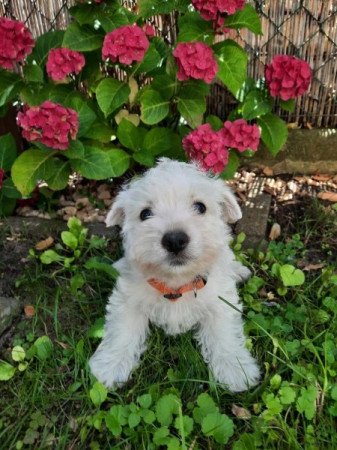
(173, 219)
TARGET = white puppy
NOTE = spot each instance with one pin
(177, 264)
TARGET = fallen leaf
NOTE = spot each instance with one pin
(275, 232)
(323, 178)
(330, 196)
(293, 126)
(241, 413)
(29, 310)
(313, 266)
(46, 243)
(268, 171)
(63, 344)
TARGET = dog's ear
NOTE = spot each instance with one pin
(116, 214)
(231, 209)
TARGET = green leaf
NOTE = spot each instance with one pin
(130, 136)
(148, 416)
(219, 426)
(86, 114)
(184, 425)
(99, 131)
(246, 441)
(9, 190)
(288, 105)
(76, 282)
(145, 400)
(151, 61)
(10, 85)
(134, 419)
(306, 402)
(256, 104)
(192, 104)
(75, 150)
(18, 353)
(232, 61)
(166, 406)
(160, 436)
(97, 329)
(158, 140)
(98, 393)
(7, 151)
(165, 85)
(206, 405)
(215, 122)
(273, 404)
(116, 18)
(59, 178)
(153, 107)
(69, 240)
(232, 166)
(101, 265)
(30, 167)
(274, 132)
(193, 28)
(33, 73)
(116, 418)
(291, 276)
(43, 45)
(111, 94)
(245, 18)
(287, 395)
(119, 162)
(7, 371)
(81, 38)
(95, 164)
(44, 347)
(333, 392)
(50, 256)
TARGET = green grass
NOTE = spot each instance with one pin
(172, 401)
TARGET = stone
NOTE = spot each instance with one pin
(305, 152)
(9, 309)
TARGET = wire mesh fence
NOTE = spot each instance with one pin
(304, 28)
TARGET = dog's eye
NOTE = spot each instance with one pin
(145, 214)
(199, 207)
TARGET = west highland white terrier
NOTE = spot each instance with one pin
(177, 264)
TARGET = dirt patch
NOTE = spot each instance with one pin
(13, 260)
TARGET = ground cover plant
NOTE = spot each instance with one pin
(111, 92)
(49, 398)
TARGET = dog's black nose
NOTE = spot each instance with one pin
(175, 241)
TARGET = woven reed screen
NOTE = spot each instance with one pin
(304, 28)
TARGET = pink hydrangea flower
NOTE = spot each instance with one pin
(2, 176)
(126, 44)
(210, 9)
(149, 30)
(287, 77)
(240, 135)
(207, 147)
(62, 62)
(195, 60)
(16, 42)
(50, 123)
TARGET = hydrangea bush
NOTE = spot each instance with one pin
(109, 92)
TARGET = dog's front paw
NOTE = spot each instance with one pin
(237, 376)
(111, 374)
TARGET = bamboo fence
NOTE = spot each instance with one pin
(304, 28)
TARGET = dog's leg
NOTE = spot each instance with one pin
(122, 345)
(222, 345)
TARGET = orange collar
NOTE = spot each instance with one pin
(173, 294)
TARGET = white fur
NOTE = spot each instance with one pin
(170, 189)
